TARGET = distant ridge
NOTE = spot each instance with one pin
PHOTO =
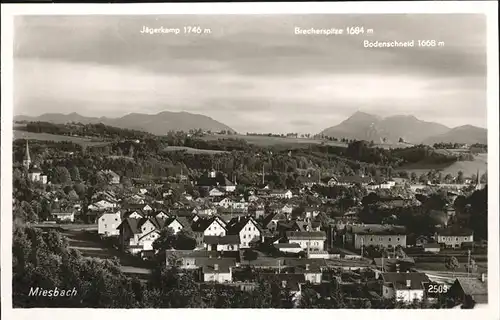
(365, 126)
(158, 124)
(463, 134)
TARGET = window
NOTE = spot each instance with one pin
(105, 226)
(371, 239)
(244, 236)
(389, 239)
(456, 239)
(398, 239)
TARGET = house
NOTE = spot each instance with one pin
(348, 181)
(291, 281)
(281, 194)
(226, 202)
(187, 259)
(217, 270)
(102, 205)
(66, 216)
(216, 179)
(270, 222)
(249, 231)
(213, 226)
(215, 192)
(256, 210)
(311, 212)
(174, 223)
(288, 247)
(454, 237)
(309, 240)
(287, 209)
(35, 175)
(312, 273)
(137, 235)
(387, 236)
(404, 286)
(421, 241)
(432, 247)
(383, 265)
(108, 223)
(470, 291)
(222, 243)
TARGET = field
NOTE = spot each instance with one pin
(85, 142)
(469, 168)
(265, 141)
(192, 150)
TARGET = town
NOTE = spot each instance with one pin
(138, 221)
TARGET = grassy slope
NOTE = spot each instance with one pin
(17, 134)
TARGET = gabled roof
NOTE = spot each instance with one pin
(237, 224)
(292, 281)
(299, 235)
(377, 229)
(273, 216)
(203, 223)
(228, 239)
(455, 232)
(475, 288)
(398, 280)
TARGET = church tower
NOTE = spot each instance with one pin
(27, 158)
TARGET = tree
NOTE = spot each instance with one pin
(61, 176)
(185, 240)
(413, 177)
(250, 255)
(75, 173)
(165, 241)
(460, 177)
(451, 264)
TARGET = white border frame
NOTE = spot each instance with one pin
(488, 8)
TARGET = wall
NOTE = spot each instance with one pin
(454, 241)
(387, 241)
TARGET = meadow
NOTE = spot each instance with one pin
(85, 142)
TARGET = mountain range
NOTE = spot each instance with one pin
(158, 124)
(365, 126)
(359, 126)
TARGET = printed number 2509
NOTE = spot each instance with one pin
(437, 288)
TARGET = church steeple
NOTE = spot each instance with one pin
(27, 158)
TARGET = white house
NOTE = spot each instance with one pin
(137, 235)
(217, 271)
(174, 224)
(67, 216)
(214, 226)
(288, 247)
(226, 202)
(376, 235)
(108, 223)
(222, 243)
(404, 286)
(102, 205)
(314, 240)
(454, 238)
(215, 192)
(281, 194)
(248, 230)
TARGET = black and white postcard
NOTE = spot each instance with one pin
(250, 156)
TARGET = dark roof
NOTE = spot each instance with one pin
(203, 223)
(35, 170)
(273, 216)
(306, 235)
(454, 232)
(399, 279)
(477, 289)
(292, 280)
(237, 224)
(133, 224)
(207, 264)
(431, 245)
(286, 245)
(228, 239)
(377, 229)
(353, 179)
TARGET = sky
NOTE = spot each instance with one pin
(252, 72)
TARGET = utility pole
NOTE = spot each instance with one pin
(263, 175)
(468, 263)
(362, 247)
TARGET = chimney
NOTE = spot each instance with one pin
(216, 267)
(307, 266)
(483, 277)
(408, 283)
